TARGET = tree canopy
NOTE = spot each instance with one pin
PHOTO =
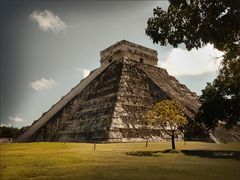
(11, 132)
(221, 98)
(168, 115)
(196, 23)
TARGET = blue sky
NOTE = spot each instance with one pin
(47, 47)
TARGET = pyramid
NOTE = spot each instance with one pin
(110, 104)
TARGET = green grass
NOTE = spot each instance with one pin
(43, 161)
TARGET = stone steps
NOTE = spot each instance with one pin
(59, 105)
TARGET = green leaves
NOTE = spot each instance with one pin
(221, 98)
(166, 113)
(196, 23)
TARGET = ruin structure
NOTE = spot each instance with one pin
(110, 104)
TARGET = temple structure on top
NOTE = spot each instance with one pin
(129, 51)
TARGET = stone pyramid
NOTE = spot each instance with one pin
(109, 105)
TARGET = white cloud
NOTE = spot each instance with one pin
(85, 72)
(16, 119)
(48, 21)
(2, 124)
(194, 62)
(43, 84)
(6, 125)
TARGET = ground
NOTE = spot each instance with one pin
(58, 161)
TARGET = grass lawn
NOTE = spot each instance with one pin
(195, 160)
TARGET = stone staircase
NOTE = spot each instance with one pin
(60, 104)
(214, 138)
(227, 135)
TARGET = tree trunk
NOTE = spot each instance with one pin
(147, 143)
(173, 142)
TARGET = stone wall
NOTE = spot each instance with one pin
(136, 95)
(88, 116)
(59, 105)
(113, 105)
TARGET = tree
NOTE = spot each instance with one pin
(196, 23)
(221, 98)
(168, 115)
(11, 132)
(8, 132)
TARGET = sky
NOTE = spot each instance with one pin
(47, 47)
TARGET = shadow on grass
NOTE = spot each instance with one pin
(151, 153)
(218, 154)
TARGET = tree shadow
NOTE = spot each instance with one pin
(143, 153)
(151, 153)
(217, 154)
